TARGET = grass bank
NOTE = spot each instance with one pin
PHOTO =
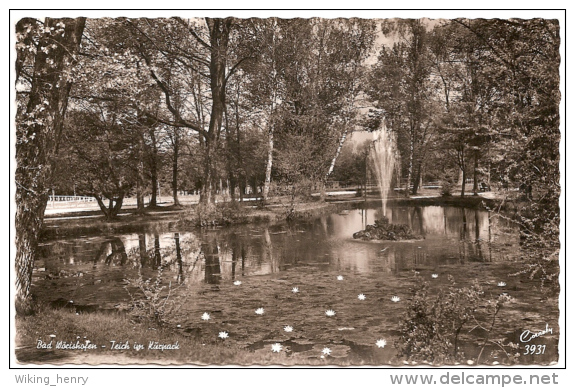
(276, 211)
(99, 328)
(77, 225)
(473, 202)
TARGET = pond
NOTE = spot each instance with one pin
(297, 272)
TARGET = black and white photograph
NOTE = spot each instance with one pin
(239, 189)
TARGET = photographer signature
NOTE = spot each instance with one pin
(528, 335)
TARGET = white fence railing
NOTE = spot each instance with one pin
(70, 198)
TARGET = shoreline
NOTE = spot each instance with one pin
(90, 222)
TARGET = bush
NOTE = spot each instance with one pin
(216, 214)
(149, 298)
(447, 188)
(431, 327)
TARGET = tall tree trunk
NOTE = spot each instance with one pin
(333, 161)
(154, 170)
(140, 177)
(38, 132)
(337, 152)
(219, 36)
(271, 119)
(462, 167)
(241, 178)
(269, 163)
(464, 178)
(475, 172)
(409, 167)
(230, 161)
(417, 180)
(175, 167)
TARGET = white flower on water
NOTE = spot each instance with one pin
(277, 347)
(295, 290)
(395, 299)
(501, 284)
(288, 329)
(205, 316)
(237, 283)
(223, 334)
(381, 343)
(339, 277)
(330, 313)
(361, 297)
(434, 275)
(326, 351)
(260, 311)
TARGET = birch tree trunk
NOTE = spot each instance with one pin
(269, 163)
(337, 152)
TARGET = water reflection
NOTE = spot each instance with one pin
(157, 253)
(211, 253)
(451, 235)
(179, 262)
(113, 253)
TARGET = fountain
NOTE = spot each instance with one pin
(383, 155)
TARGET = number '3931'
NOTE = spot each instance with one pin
(534, 349)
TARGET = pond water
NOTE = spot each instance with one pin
(204, 267)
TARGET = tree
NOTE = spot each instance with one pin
(46, 53)
(106, 156)
(108, 130)
(351, 166)
(265, 87)
(400, 85)
(172, 48)
(527, 55)
(321, 63)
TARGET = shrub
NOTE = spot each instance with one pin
(216, 214)
(149, 298)
(431, 327)
(446, 188)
